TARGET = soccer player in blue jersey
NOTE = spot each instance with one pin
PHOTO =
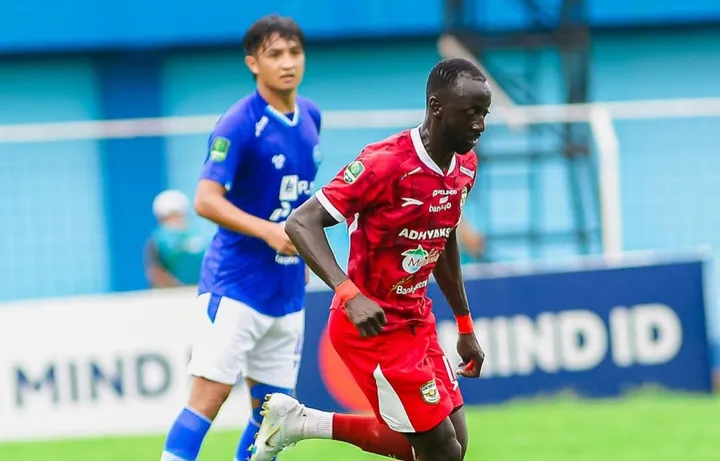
(262, 160)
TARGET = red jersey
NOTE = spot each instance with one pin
(400, 208)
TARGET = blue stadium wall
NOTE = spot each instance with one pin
(75, 212)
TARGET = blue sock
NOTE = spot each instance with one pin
(186, 436)
(258, 392)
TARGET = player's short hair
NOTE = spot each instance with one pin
(267, 27)
(445, 75)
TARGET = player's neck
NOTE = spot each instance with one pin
(435, 146)
(283, 102)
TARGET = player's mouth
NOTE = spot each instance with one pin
(473, 140)
(287, 78)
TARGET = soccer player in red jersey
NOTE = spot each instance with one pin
(402, 199)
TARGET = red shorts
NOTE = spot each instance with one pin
(404, 373)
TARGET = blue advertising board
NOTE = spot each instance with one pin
(596, 331)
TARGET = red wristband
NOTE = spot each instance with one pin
(465, 324)
(346, 291)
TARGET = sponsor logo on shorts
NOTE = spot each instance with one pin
(431, 234)
(430, 393)
(353, 171)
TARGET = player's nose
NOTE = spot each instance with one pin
(478, 126)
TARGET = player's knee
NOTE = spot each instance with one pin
(206, 397)
(451, 450)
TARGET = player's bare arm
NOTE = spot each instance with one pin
(448, 274)
(156, 274)
(210, 203)
(306, 228)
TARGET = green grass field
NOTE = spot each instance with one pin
(652, 427)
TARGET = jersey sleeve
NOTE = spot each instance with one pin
(359, 186)
(314, 112)
(227, 148)
(316, 116)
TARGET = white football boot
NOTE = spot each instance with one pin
(282, 426)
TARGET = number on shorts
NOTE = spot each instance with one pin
(450, 372)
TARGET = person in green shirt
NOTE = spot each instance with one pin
(472, 243)
(173, 254)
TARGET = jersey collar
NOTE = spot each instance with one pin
(422, 153)
(276, 114)
(282, 118)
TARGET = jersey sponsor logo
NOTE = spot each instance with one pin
(418, 257)
(401, 290)
(444, 195)
(279, 161)
(430, 393)
(285, 260)
(410, 201)
(291, 188)
(463, 197)
(414, 259)
(353, 171)
(219, 149)
(467, 172)
(444, 192)
(431, 234)
(438, 208)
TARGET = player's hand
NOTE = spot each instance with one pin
(471, 354)
(278, 240)
(366, 315)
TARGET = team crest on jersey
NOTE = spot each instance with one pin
(219, 149)
(353, 171)
(430, 393)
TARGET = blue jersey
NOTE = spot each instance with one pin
(267, 161)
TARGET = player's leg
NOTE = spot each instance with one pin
(257, 392)
(446, 380)
(272, 368)
(218, 357)
(288, 421)
(457, 418)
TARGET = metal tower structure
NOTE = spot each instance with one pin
(550, 28)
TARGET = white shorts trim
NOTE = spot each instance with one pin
(241, 342)
(390, 406)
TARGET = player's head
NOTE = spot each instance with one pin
(458, 99)
(170, 208)
(275, 53)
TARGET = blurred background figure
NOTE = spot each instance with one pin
(472, 243)
(173, 253)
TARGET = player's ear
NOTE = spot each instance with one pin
(252, 64)
(435, 106)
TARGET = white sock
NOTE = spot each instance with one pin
(317, 424)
